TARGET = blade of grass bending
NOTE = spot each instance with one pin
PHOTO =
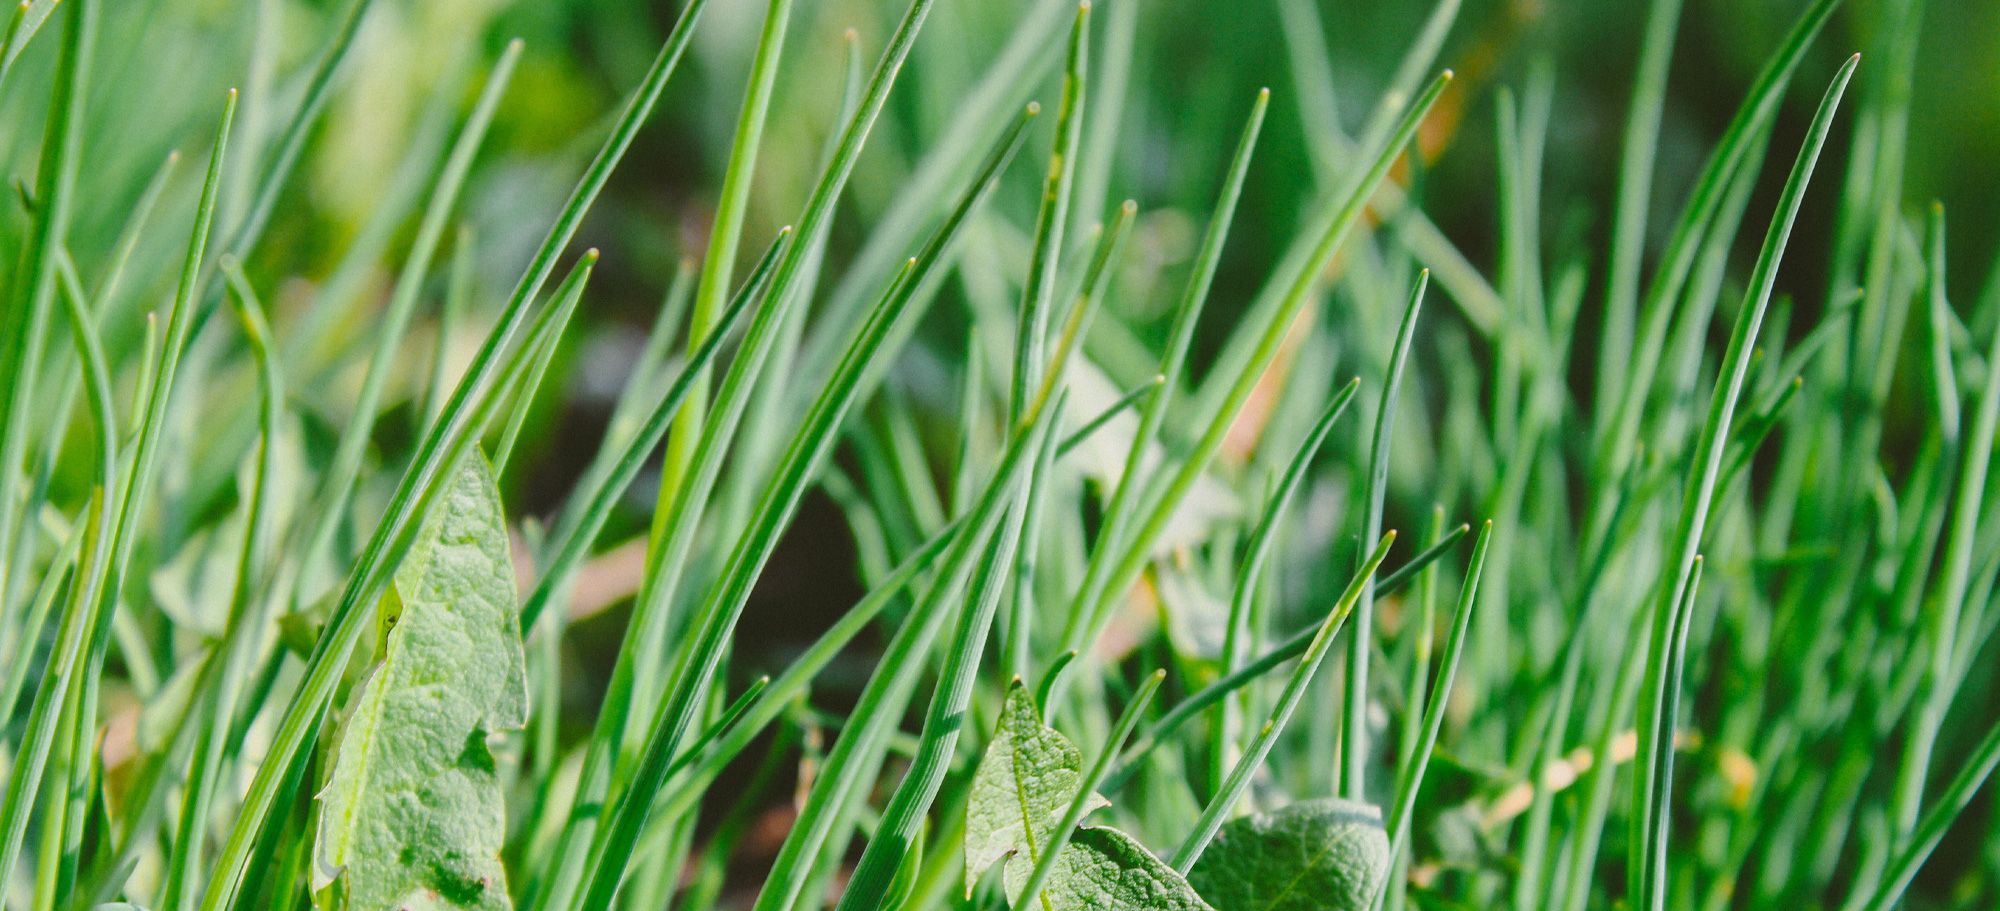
(1617, 437)
(1086, 787)
(1355, 751)
(87, 623)
(1649, 839)
(1641, 143)
(26, 321)
(1411, 779)
(1288, 701)
(447, 441)
(1102, 585)
(1131, 398)
(1168, 723)
(1257, 553)
(1173, 362)
(249, 615)
(337, 489)
(943, 721)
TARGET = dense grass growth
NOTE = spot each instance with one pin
(714, 457)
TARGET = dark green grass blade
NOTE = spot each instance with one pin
(1649, 841)
(1355, 750)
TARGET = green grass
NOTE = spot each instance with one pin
(895, 474)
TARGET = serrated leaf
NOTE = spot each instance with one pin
(1103, 869)
(413, 815)
(1020, 794)
(1024, 783)
(1315, 855)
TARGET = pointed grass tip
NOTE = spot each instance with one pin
(515, 45)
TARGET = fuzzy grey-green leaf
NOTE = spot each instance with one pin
(1315, 855)
(412, 815)
(1103, 869)
(1024, 783)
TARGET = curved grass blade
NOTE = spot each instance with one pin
(1355, 750)
(1649, 835)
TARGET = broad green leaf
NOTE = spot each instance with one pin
(1020, 793)
(412, 815)
(1103, 869)
(1328, 854)
(1024, 783)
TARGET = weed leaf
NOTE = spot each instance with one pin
(412, 814)
(1103, 869)
(1024, 783)
(1315, 855)
(1020, 794)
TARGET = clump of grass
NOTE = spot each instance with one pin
(287, 619)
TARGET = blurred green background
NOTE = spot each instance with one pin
(1196, 67)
